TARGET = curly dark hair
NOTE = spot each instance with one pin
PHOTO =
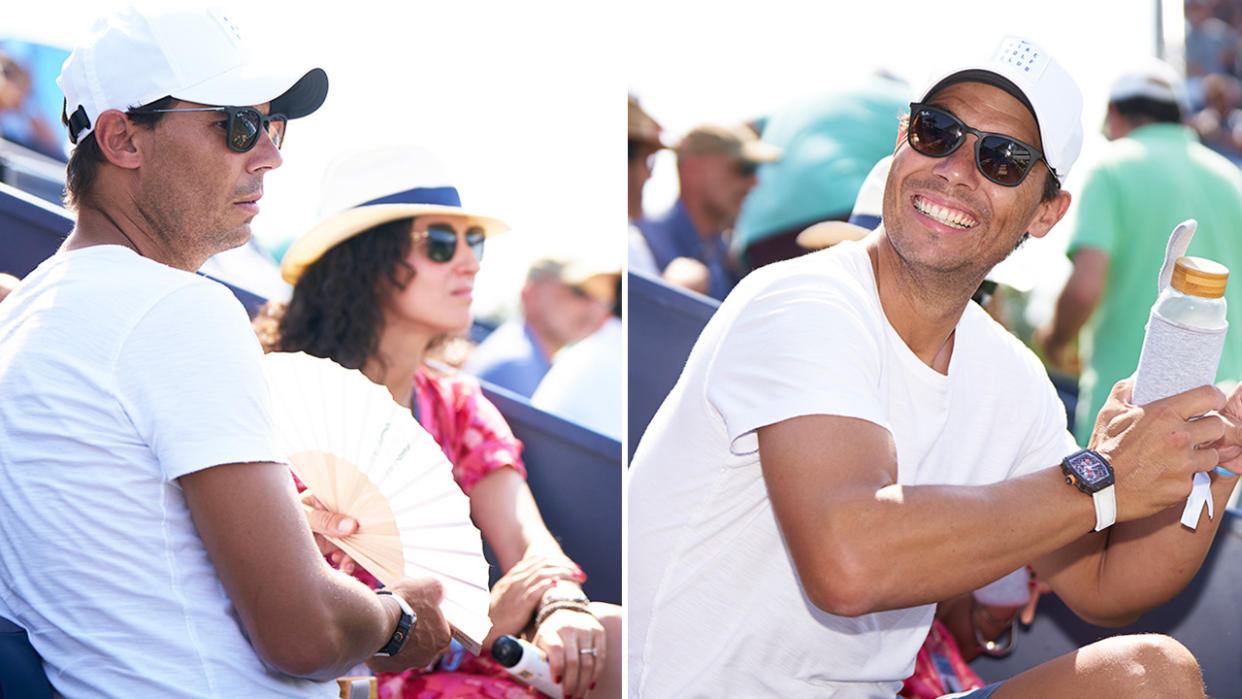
(335, 310)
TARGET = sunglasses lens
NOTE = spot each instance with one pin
(1004, 161)
(441, 242)
(474, 238)
(935, 133)
(746, 168)
(276, 130)
(243, 129)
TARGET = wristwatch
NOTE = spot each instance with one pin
(1089, 472)
(405, 625)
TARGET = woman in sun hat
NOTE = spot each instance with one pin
(380, 284)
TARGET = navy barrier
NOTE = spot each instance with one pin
(21, 670)
(1206, 617)
(575, 476)
(664, 323)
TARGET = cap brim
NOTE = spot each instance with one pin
(760, 152)
(828, 233)
(292, 92)
(346, 224)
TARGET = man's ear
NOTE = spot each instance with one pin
(1048, 213)
(115, 135)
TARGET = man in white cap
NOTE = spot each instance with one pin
(852, 440)
(151, 544)
(1152, 176)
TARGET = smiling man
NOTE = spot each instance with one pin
(149, 542)
(852, 441)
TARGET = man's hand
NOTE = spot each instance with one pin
(324, 523)
(431, 633)
(1155, 449)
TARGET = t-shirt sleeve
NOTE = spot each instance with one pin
(486, 442)
(1096, 222)
(1048, 437)
(190, 377)
(795, 350)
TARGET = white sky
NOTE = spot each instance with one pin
(522, 100)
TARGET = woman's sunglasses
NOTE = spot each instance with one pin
(442, 241)
(243, 127)
(1002, 159)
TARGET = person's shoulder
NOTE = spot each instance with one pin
(995, 344)
(843, 268)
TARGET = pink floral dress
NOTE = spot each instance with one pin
(477, 441)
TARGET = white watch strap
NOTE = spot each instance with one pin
(1105, 507)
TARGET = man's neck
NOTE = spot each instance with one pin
(922, 306)
(103, 225)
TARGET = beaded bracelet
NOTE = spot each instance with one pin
(546, 610)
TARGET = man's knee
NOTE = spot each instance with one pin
(1155, 664)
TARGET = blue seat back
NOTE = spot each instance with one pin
(21, 670)
(575, 476)
(664, 323)
(1206, 617)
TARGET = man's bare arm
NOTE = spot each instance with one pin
(300, 615)
(861, 543)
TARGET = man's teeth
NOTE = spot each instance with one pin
(955, 219)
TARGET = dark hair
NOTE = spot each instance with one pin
(1146, 110)
(335, 311)
(86, 156)
(635, 147)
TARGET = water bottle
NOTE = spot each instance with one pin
(1185, 332)
(1182, 348)
(526, 662)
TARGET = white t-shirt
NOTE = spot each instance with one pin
(714, 604)
(117, 376)
(587, 382)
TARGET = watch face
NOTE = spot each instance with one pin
(1090, 469)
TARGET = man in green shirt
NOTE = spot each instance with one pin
(1153, 175)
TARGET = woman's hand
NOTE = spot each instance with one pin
(576, 648)
(517, 593)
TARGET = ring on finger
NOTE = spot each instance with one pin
(587, 651)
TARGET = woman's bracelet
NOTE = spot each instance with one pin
(546, 610)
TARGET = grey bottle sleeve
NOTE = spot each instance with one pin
(1175, 358)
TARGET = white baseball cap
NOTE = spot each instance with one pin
(136, 57)
(1032, 75)
(1153, 79)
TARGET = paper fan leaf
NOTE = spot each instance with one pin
(365, 456)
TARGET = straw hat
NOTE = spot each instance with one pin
(367, 188)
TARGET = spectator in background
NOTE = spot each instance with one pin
(1219, 122)
(830, 143)
(562, 302)
(1153, 175)
(716, 170)
(587, 382)
(1210, 41)
(378, 287)
(644, 143)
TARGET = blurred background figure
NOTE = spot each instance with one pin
(644, 143)
(1219, 121)
(1153, 175)
(586, 383)
(563, 301)
(19, 121)
(716, 168)
(830, 143)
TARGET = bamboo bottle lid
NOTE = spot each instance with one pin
(1201, 277)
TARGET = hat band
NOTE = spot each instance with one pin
(439, 196)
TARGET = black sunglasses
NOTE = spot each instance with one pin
(1002, 159)
(746, 168)
(442, 241)
(243, 127)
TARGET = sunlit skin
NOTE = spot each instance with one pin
(927, 268)
(183, 195)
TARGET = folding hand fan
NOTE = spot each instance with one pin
(365, 456)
